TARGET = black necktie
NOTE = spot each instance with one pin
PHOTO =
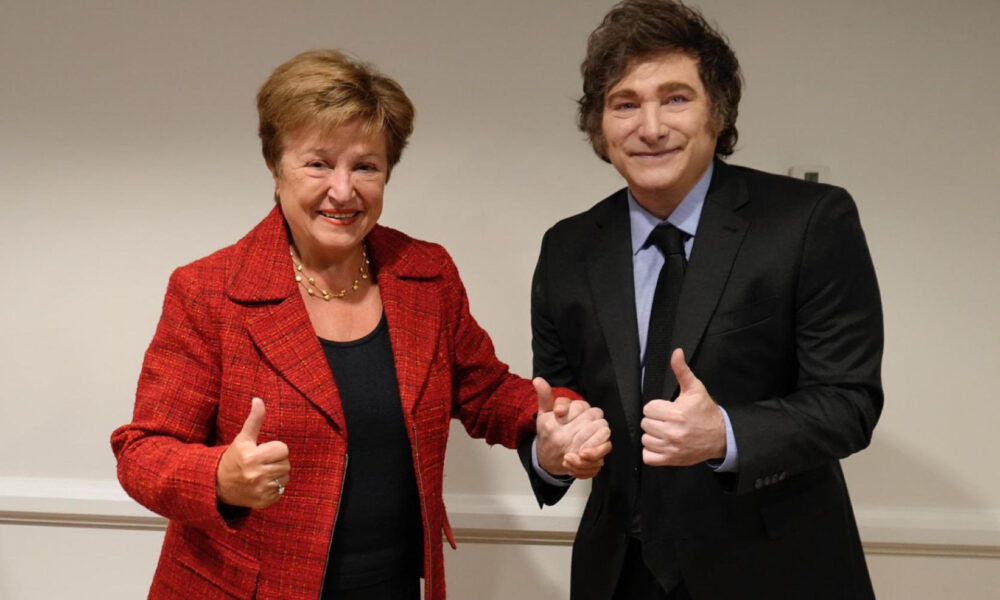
(670, 240)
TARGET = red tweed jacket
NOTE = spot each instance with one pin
(234, 327)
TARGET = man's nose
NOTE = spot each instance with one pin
(651, 126)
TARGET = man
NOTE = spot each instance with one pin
(735, 366)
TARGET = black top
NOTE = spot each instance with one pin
(378, 532)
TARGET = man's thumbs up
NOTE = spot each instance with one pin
(563, 409)
(250, 475)
(545, 396)
(689, 384)
(687, 431)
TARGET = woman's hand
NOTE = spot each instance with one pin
(250, 475)
(573, 437)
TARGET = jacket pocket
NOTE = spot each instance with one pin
(204, 567)
(742, 317)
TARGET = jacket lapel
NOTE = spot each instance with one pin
(414, 321)
(277, 320)
(279, 325)
(413, 315)
(285, 337)
(609, 269)
(716, 244)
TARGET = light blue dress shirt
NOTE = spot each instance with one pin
(647, 260)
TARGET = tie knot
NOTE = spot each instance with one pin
(668, 239)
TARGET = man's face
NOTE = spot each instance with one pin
(658, 129)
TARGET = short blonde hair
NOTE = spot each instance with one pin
(325, 89)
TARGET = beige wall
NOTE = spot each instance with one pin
(128, 148)
(43, 563)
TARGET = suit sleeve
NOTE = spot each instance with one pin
(838, 349)
(165, 461)
(549, 362)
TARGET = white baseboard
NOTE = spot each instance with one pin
(507, 519)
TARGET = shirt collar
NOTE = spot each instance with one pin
(685, 217)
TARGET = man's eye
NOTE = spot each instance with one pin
(676, 100)
(626, 106)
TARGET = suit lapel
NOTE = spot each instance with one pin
(609, 271)
(716, 244)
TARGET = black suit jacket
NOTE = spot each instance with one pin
(780, 317)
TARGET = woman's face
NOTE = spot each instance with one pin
(330, 189)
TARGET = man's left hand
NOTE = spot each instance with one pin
(687, 431)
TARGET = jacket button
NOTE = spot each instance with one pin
(758, 484)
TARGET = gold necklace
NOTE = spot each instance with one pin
(310, 284)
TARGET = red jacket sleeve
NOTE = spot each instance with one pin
(166, 460)
(490, 401)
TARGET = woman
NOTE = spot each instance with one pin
(293, 407)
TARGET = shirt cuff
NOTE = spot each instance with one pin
(556, 480)
(731, 463)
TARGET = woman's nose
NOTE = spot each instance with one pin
(339, 185)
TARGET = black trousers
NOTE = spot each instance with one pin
(637, 582)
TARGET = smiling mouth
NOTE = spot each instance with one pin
(659, 154)
(340, 215)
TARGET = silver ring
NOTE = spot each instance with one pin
(281, 488)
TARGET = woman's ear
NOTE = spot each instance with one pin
(274, 175)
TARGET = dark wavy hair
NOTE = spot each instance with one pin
(635, 30)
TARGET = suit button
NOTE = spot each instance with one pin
(782, 476)
(758, 484)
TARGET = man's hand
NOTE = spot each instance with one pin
(686, 431)
(573, 437)
(251, 475)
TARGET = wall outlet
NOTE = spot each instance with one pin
(817, 173)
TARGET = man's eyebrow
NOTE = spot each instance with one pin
(676, 86)
(664, 88)
(624, 92)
